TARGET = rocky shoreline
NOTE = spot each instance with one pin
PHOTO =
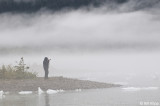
(54, 83)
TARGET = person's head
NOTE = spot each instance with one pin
(46, 58)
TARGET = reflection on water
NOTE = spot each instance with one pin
(97, 97)
(47, 100)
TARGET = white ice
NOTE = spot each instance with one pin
(60, 90)
(151, 88)
(78, 90)
(139, 88)
(2, 94)
(50, 91)
(40, 91)
(25, 92)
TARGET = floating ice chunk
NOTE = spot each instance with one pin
(150, 88)
(60, 90)
(131, 89)
(40, 91)
(2, 94)
(78, 90)
(25, 92)
(50, 91)
(140, 88)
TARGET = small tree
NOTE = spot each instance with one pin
(21, 69)
(21, 66)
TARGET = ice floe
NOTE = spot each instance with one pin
(78, 90)
(2, 94)
(60, 90)
(40, 91)
(50, 91)
(151, 88)
(25, 92)
(139, 88)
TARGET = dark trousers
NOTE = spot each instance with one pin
(46, 74)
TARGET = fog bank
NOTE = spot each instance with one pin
(95, 29)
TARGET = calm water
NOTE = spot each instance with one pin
(97, 97)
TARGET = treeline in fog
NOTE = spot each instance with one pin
(54, 5)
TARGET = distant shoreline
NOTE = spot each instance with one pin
(54, 83)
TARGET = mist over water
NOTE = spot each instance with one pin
(98, 28)
(80, 29)
(102, 44)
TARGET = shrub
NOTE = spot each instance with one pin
(20, 71)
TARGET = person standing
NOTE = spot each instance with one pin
(46, 67)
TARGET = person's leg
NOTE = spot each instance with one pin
(46, 74)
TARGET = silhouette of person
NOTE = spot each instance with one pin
(46, 67)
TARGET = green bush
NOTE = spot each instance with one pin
(20, 71)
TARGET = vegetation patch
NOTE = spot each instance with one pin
(19, 71)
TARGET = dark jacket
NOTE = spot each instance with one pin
(46, 64)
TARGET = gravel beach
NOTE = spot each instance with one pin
(54, 83)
